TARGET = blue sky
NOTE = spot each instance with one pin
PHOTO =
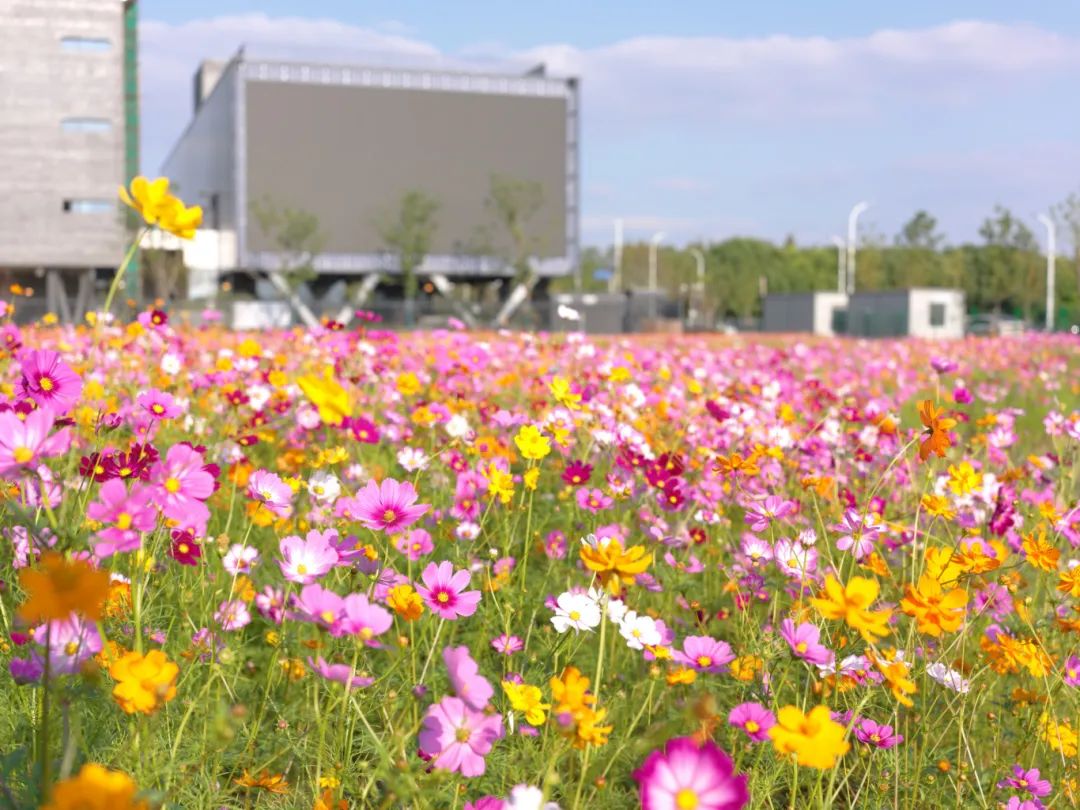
(712, 119)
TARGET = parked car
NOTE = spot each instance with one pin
(999, 325)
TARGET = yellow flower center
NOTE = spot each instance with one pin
(800, 647)
(686, 799)
(22, 455)
(704, 661)
(575, 615)
(442, 598)
(45, 384)
(752, 726)
(875, 738)
(71, 648)
(462, 735)
(389, 516)
(157, 408)
(183, 548)
(126, 471)
(366, 633)
(301, 569)
(327, 616)
(123, 521)
(172, 485)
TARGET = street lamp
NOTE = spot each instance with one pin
(615, 283)
(1051, 258)
(841, 268)
(699, 257)
(654, 243)
(852, 235)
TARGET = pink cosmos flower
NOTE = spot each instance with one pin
(592, 500)
(182, 484)
(465, 678)
(878, 735)
(232, 615)
(342, 673)
(414, 544)
(772, 508)
(444, 591)
(318, 605)
(158, 404)
(307, 560)
(507, 644)
(1028, 780)
(857, 535)
(360, 618)
(271, 604)
(70, 644)
(704, 653)
(23, 442)
(1072, 671)
(683, 774)
(129, 513)
(240, 559)
(458, 737)
(48, 381)
(389, 506)
(754, 719)
(804, 641)
(268, 488)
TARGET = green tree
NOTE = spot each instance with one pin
(296, 234)
(1006, 267)
(920, 232)
(514, 203)
(1066, 215)
(408, 233)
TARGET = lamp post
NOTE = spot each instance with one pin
(654, 243)
(615, 283)
(852, 236)
(699, 258)
(841, 280)
(1051, 258)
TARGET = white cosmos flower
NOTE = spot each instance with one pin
(412, 459)
(616, 610)
(948, 677)
(324, 487)
(639, 631)
(576, 610)
(527, 797)
(457, 427)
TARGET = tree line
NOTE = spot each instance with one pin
(1004, 272)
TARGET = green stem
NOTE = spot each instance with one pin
(123, 268)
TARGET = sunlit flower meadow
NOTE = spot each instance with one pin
(347, 568)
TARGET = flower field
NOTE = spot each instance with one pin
(347, 568)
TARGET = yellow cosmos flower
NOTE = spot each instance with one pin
(532, 444)
(528, 700)
(614, 565)
(815, 739)
(95, 788)
(328, 396)
(560, 389)
(936, 610)
(157, 206)
(144, 682)
(851, 604)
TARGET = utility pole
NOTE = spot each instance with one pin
(841, 267)
(654, 243)
(852, 238)
(1051, 259)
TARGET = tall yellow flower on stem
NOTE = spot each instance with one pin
(532, 444)
(815, 739)
(144, 682)
(851, 603)
(150, 198)
(614, 565)
(328, 396)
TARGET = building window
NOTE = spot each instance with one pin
(86, 125)
(937, 314)
(89, 206)
(85, 44)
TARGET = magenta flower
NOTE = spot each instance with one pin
(754, 719)
(128, 513)
(507, 644)
(1027, 780)
(388, 507)
(878, 735)
(360, 618)
(182, 484)
(684, 775)
(772, 508)
(48, 381)
(444, 591)
(318, 605)
(414, 544)
(458, 737)
(1072, 671)
(577, 473)
(704, 653)
(804, 642)
(465, 678)
(342, 673)
(307, 560)
(158, 404)
(24, 443)
(268, 488)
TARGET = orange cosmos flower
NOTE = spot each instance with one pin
(936, 435)
(936, 610)
(271, 783)
(612, 563)
(62, 587)
(144, 682)
(1040, 553)
(851, 604)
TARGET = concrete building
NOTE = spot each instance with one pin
(69, 138)
(919, 312)
(344, 142)
(820, 313)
